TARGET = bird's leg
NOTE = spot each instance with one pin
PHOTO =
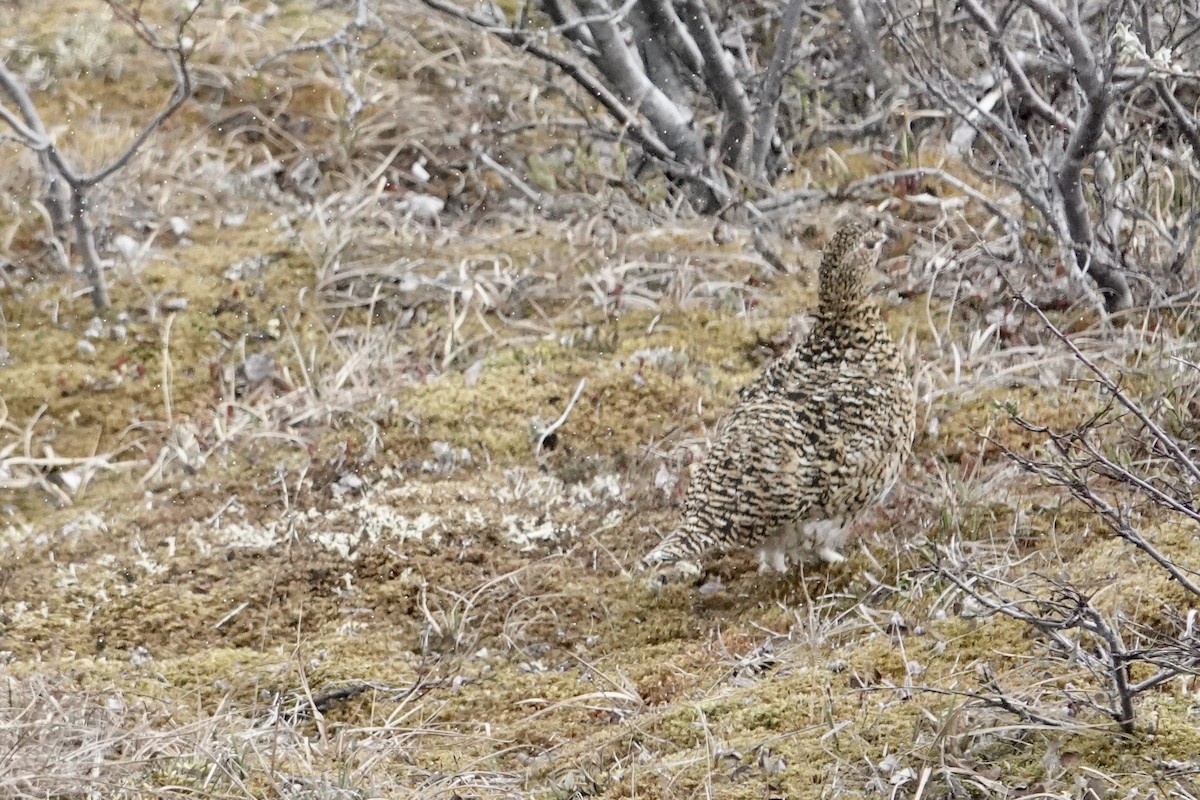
(771, 557)
(830, 556)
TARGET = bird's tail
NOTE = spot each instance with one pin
(674, 548)
(663, 555)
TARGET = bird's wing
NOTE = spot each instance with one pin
(768, 466)
(772, 374)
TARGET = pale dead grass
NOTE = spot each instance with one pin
(61, 741)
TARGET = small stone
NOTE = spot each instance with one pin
(246, 269)
(471, 376)
(258, 367)
(421, 207)
(351, 482)
(70, 480)
(126, 245)
(770, 763)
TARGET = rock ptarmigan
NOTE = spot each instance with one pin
(821, 435)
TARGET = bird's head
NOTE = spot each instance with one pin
(850, 255)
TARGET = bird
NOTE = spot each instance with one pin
(821, 435)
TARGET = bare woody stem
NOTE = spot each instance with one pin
(66, 188)
(670, 137)
(1081, 144)
(772, 87)
(718, 73)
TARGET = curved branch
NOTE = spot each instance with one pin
(526, 41)
(66, 196)
(868, 41)
(30, 129)
(772, 87)
(662, 15)
(1082, 143)
(1013, 65)
(681, 158)
(614, 59)
(718, 74)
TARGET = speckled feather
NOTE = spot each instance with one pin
(818, 437)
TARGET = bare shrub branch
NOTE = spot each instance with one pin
(1081, 635)
(66, 187)
(1065, 104)
(772, 87)
(344, 39)
(1087, 463)
(682, 80)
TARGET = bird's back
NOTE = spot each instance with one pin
(820, 435)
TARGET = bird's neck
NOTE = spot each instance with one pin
(847, 314)
(853, 327)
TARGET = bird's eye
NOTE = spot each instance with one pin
(874, 239)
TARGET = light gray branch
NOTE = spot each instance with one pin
(1013, 64)
(180, 92)
(662, 15)
(1185, 241)
(1185, 120)
(671, 122)
(85, 240)
(868, 42)
(963, 138)
(1024, 172)
(718, 73)
(1071, 32)
(772, 87)
(28, 127)
(523, 40)
(1081, 144)
(1168, 442)
(1107, 660)
(66, 195)
(569, 24)
(531, 194)
(920, 173)
(676, 147)
(1064, 204)
(65, 191)
(347, 40)
(662, 67)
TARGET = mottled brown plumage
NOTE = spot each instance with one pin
(818, 437)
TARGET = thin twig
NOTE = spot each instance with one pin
(69, 202)
(558, 423)
(1112, 388)
(521, 186)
